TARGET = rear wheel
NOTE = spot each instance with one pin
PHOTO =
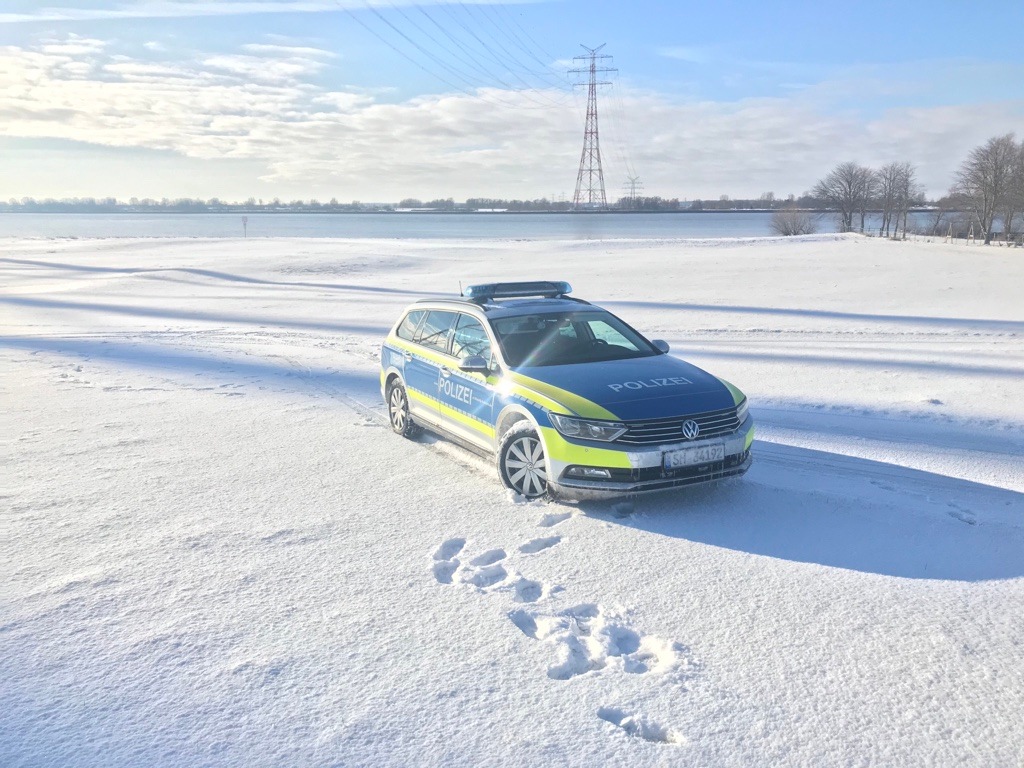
(398, 411)
(521, 461)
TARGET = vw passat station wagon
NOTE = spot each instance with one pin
(570, 400)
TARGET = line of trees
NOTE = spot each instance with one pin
(853, 190)
(180, 205)
(988, 187)
(990, 183)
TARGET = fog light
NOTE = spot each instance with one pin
(604, 474)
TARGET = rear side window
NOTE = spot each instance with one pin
(436, 329)
(407, 328)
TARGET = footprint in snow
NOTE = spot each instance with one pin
(446, 561)
(962, 514)
(588, 638)
(449, 549)
(539, 545)
(554, 518)
(483, 572)
(485, 577)
(639, 727)
(529, 591)
(490, 557)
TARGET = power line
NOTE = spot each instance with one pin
(526, 34)
(620, 137)
(474, 61)
(478, 90)
(506, 31)
(487, 48)
(511, 65)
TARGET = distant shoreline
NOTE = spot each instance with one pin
(420, 212)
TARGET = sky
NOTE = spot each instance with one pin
(347, 100)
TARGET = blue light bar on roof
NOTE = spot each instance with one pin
(487, 291)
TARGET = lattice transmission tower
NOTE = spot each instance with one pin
(631, 188)
(590, 179)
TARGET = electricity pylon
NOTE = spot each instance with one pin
(631, 187)
(590, 179)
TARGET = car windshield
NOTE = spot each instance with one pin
(568, 337)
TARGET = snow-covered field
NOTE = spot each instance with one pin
(216, 553)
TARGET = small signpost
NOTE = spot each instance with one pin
(245, 226)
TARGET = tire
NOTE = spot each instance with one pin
(522, 464)
(398, 411)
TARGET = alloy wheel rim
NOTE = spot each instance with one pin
(526, 467)
(397, 409)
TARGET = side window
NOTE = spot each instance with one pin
(408, 326)
(470, 339)
(436, 329)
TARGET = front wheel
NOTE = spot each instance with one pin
(398, 411)
(521, 461)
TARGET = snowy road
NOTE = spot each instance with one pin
(217, 553)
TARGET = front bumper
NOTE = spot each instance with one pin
(575, 488)
(639, 469)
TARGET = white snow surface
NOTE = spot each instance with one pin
(215, 552)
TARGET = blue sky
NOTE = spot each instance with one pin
(335, 98)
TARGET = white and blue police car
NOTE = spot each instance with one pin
(570, 400)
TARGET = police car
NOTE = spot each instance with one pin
(570, 400)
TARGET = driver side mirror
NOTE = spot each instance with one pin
(661, 346)
(474, 364)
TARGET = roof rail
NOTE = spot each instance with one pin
(487, 291)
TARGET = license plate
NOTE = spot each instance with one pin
(688, 457)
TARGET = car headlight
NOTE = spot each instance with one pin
(587, 430)
(741, 411)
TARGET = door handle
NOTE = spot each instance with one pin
(445, 372)
(407, 356)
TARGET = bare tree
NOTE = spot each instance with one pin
(1014, 201)
(867, 190)
(906, 193)
(790, 221)
(887, 180)
(985, 179)
(848, 187)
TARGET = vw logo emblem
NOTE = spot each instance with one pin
(690, 429)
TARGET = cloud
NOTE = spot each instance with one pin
(266, 106)
(149, 9)
(691, 54)
(73, 45)
(288, 50)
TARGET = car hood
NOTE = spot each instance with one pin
(655, 387)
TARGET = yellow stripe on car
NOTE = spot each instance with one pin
(467, 420)
(737, 396)
(560, 449)
(563, 398)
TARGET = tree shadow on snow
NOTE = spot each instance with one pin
(212, 274)
(962, 323)
(249, 369)
(809, 506)
(168, 313)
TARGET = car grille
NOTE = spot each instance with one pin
(655, 431)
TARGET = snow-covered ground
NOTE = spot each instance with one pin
(216, 553)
